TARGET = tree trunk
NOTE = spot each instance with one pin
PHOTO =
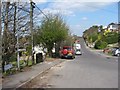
(50, 53)
(14, 28)
(5, 37)
(57, 48)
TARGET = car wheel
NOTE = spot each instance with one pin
(118, 54)
(62, 57)
(113, 54)
(72, 57)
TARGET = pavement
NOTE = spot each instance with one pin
(100, 52)
(18, 80)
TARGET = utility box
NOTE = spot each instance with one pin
(39, 57)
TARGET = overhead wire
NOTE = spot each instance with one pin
(41, 11)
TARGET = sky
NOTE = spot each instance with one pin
(80, 15)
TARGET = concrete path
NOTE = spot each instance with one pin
(17, 80)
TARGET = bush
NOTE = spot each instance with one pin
(111, 38)
(92, 38)
(13, 57)
(100, 45)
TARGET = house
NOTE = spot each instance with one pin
(104, 27)
(113, 27)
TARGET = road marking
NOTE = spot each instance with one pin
(116, 60)
(49, 62)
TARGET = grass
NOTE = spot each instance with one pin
(110, 53)
(30, 63)
(14, 69)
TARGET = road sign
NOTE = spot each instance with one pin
(21, 50)
(8, 66)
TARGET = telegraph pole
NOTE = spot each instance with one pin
(0, 36)
(17, 35)
(31, 28)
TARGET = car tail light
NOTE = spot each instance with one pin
(65, 51)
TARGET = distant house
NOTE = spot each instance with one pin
(104, 27)
(113, 27)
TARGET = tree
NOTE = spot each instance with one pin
(92, 38)
(111, 37)
(14, 18)
(52, 30)
(100, 44)
(90, 34)
(69, 41)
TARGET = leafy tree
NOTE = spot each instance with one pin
(92, 38)
(52, 30)
(111, 38)
(91, 34)
(69, 41)
(118, 37)
(100, 44)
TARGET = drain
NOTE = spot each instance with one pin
(108, 57)
(57, 75)
(49, 85)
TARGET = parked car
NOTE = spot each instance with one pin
(67, 52)
(78, 52)
(37, 50)
(77, 48)
(116, 51)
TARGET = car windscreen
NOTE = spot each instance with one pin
(119, 49)
(77, 49)
(68, 48)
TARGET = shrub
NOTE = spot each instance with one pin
(100, 44)
(13, 58)
(103, 45)
(111, 38)
(92, 38)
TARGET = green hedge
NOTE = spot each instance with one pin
(100, 44)
(111, 38)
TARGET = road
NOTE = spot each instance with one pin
(90, 70)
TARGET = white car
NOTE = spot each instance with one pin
(117, 52)
(38, 49)
(78, 52)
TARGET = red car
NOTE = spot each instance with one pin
(67, 52)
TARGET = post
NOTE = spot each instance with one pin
(0, 43)
(31, 29)
(0, 36)
(18, 58)
(14, 27)
(119, 40)
(16, 24)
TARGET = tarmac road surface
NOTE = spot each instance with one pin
(89, 70)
